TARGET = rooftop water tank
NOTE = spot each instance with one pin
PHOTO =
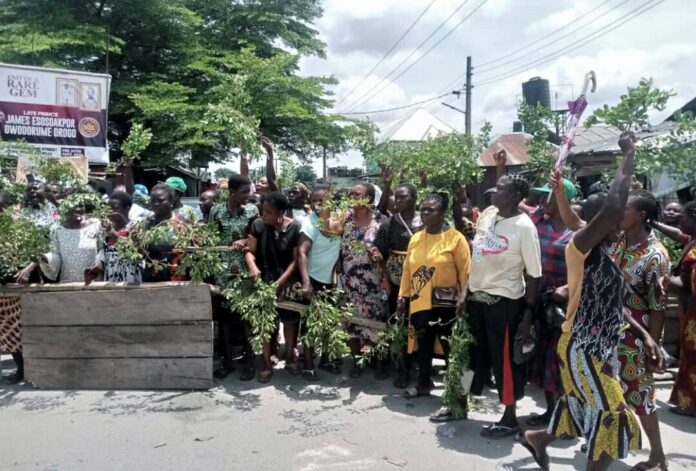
(536, 90)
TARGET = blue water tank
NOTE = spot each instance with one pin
(537, 90)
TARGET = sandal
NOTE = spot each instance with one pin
(496, 431)
(248, 373)
(541, 461)
(310, 375)
(265, 376)
(414, 392)
(444, 414)
(331, 367)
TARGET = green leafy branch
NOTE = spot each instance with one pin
(256, 303)
(458, 362)
(323, 324)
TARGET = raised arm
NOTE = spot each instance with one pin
(570, 218)
(270, 169)
(388, 176)
(672, 232)
(611, 212)
(500, 158)
(459, 199)
(244, 164)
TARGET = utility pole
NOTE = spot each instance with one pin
(467, 87)
(323, 159)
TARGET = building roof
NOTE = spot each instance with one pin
(515, 145)
(417, 126)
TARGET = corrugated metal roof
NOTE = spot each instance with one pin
(418, 126)
(515, 144)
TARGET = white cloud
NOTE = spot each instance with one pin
(359, 32)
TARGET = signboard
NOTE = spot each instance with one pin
(61, 113)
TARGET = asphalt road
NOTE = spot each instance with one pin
(288, 424)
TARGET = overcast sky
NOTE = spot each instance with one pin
(658, 43)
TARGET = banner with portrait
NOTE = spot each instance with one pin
(61, 113)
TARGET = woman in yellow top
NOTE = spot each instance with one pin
(435, 274)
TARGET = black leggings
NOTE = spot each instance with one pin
(491, 325)
(426, 333)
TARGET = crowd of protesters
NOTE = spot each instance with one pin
(564, 293)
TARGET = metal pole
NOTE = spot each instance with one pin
(467, 118)
(323, 159)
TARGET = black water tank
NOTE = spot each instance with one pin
(536, 90)
(517, 126)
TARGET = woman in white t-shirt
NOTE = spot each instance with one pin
(503, 285)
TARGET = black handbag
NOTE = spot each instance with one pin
(553, 313)
(444, 297)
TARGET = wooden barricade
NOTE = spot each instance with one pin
(117, 336)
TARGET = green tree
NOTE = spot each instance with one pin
(445, 159)
(204, 76)
(223, 173)
(674, 151)
(306, 174)
(537, 120)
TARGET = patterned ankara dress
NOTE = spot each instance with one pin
(362, 277)
(684, 392)
(592, 404)
(644, 265)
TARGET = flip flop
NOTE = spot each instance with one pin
(310, 375)
(331, 367)
(443, 414)
(413, 392)
(539, 461)
(496, 431)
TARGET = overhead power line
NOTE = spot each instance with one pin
(410, 105)
(391, 49)
(393, 71)
(554, 40)
(461, 22)
(522, 48)
(602, 31)
(456, 81)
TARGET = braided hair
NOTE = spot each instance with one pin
(646, 202)
(520, 184)
(439, 197)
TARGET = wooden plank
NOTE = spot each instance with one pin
(15, 289)
(141, 341)
(126, 373)
(118, 307)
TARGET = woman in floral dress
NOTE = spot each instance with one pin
(362, 274)
(644, 262)
(684, 393)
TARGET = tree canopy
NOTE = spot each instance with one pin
(673, 151)
(204, 76)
